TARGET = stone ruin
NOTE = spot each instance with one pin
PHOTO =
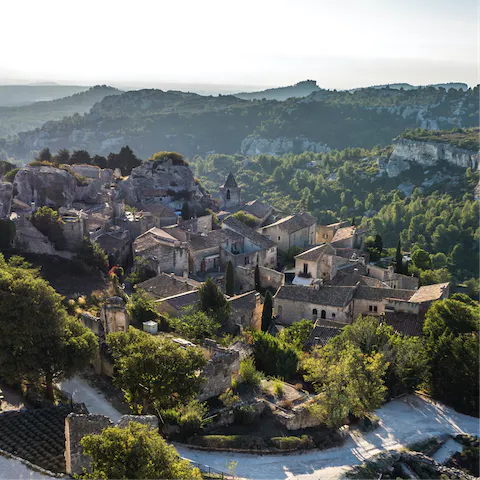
(79, 425)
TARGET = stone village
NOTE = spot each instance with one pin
(316, 272)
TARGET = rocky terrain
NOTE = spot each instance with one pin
(299, 90)
(149, 120)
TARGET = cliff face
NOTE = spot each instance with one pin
(427, 154)
(257, 145)
(163, 181)
(6, 191)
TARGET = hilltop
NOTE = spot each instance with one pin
(299, 90)
(28, 117)
(198, 125)
(17, 95)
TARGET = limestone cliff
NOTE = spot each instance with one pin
(168, 181)
(256, 145)
(6, 192)
(427, 154)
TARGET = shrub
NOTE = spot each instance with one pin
(292, 443)
(248, 442)
(278, 388)
(249, 373)
(10, 176)
(228, 398)
(246, 218)
(48, 222)
(286, 404)
(245, 414)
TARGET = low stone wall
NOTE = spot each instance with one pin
(297, 418)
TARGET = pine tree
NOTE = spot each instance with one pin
(267, 311)
(257, 278)
(229, 279)
(185, 211)
(353, 221)
(399, 258)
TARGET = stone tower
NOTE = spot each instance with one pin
(230, 193)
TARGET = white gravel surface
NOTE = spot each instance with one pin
(402, 421)
(449, 448)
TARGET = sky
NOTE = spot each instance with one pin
(248, 43)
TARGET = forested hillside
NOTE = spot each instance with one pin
(151, 119)
(28, 117)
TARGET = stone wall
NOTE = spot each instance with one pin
(6, 195)
(297, 418)
(114, 315)
(76, 427)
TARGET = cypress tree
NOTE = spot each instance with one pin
(399, 258)
(267, 311)
(185, 211)
(229, 279)
(257, 278)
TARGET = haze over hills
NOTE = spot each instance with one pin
(18, 95)
(147, 120)
(29, 117)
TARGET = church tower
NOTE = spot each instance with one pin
(230, 193)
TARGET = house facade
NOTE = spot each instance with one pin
(315, 263)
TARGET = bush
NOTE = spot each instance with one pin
(228, 398)
(247, 442)
(48, 222)
(278, 388)
(249, 373)
(292, 443)
(10, 176)
(245, 414)
(246, 218)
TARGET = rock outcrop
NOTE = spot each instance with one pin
(427, 154)
(256, 145)
(45, 186)
(168, 181)
(6, 194)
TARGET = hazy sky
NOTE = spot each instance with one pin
(339, 43)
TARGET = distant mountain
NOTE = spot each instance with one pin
(16, 95)
(407, 86)
(28, 117)
(299, 90)
(152, 120)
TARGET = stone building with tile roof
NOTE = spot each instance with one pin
(316, 263)
(260, 210)
(166, 285)
(296, 230)
(349, 237)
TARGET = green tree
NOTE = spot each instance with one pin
(194, 325)
(452, 348)
(229, 279)
(267, 311)
(296, 334)
(45, 155)
(186, 215)
(213, 301)
(91, 255)
(136, 451)
(430, 277)
(80, 157)
(125, 160)
(256, 277)
(246, 218)
(49, 222)
(421, 259)
(141, 308)
(347, 381)
(62, 157)
(399, 258)
(154, 372)
(439, 260)
(38, 340)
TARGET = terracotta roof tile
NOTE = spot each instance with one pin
(325, 295)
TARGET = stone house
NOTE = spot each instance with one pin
(294, 302)
(163, 252)
(167, 284)
(161, 214)
(376, 301)
(113, 316)
(175, 305)
(117, 245)
(428, 294)
(296, 230)
(203, 224)
(260, 210)
(230, 193)
(246, 310)
(254, 249)
(349, 237)
(391, 278)
(325, 233)
(316, 263)
(269, 278)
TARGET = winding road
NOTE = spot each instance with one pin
(402, 421)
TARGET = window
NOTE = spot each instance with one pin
(228, 194)
(247, 260)
(305, 268)
(375, 308)
(279, 238)
(333, 315)
(370, 308)
(314, 312)
(323, 314)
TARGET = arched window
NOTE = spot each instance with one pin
(315, 312)
(228, 194)
(323, 314)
